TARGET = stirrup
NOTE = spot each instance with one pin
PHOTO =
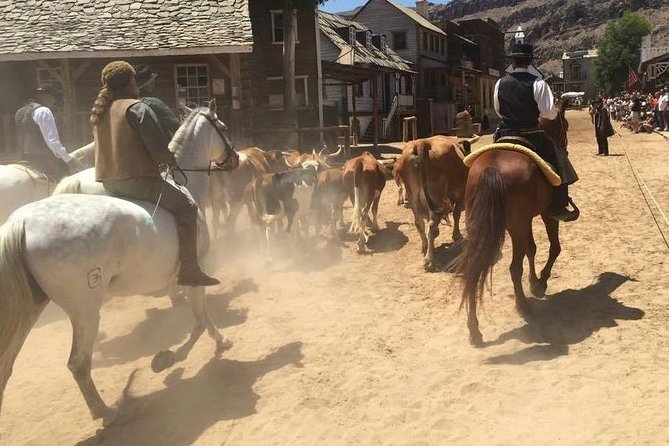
(565, 214)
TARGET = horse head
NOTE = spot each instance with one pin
(202, 139)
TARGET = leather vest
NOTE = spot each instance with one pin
(29, 136)
(517, 105)
(120, 152)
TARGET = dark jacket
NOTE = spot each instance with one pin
(603, 125)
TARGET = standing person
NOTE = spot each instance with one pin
(520, 98)
(663, 110)
(603, 127)
(38, 139)
(146, 79)
(129, 145)
(635, 108)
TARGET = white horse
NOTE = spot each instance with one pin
(77, 250)
(19, 184)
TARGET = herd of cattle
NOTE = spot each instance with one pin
(295, 191)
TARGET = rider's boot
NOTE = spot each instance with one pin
(559, 203)
(190, 273)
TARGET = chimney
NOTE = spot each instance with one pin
(421, 8)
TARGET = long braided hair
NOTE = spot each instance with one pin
(115, 75)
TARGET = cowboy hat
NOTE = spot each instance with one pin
(144, 76)
(521, 51)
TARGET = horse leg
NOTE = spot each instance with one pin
(553, 232)
(85, 324)
(168, 358)
(457, 212)
(519, 239)
(432, 233)
(232, 216)
(222, 342)
(531, 253)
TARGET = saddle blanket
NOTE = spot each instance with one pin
(548, 170)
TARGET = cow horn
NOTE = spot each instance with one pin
(474, 139)
(334, 155)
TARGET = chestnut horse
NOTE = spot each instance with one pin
(505, 191)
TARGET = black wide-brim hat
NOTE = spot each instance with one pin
(143, 75)
(521, 50)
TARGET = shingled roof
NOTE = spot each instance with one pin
(373, 56)
(32, 29)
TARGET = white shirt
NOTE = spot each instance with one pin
(47, 125)
(663, 102)
(542, 95)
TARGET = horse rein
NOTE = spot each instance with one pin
(226, 141)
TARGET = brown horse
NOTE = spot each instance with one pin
(505, 191)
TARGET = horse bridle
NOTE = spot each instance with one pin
(226, 141)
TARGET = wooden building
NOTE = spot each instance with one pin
(196, 51)
(367, 85)
(231, 50)
(414, 38)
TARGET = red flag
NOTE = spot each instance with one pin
(632, 78)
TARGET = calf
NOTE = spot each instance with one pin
(328, 199)
(434, 176)
(270, 199)
(365, 178)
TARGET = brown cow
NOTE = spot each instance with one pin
(277, 161)
(328, 199)
(270, 198)
(365, 179)
(226, 189)
(434, 176)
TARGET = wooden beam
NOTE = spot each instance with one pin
(375, 117)
(68, 115)
(220, 65)
(81, 69)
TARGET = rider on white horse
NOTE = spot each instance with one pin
(129, 146)
(38, 139)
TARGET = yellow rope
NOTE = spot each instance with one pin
(552, 177)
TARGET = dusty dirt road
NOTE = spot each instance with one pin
(343, 349)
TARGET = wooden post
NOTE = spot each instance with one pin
(355, 117)
(236, 93)
(68, 115)
(375, 116)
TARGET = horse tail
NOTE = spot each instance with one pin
(357, 211)
(20, 304)
(485, 235)
(68, 185)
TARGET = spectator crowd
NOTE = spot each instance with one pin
(640, 112)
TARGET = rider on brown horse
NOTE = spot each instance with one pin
(521, 98)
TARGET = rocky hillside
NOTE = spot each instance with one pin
(556, 26)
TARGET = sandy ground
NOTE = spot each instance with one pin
(337, 348)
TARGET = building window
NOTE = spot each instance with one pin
(275, 86)
(46, 78)
(408, 85)
(425, 37)
(399, 40)
(277, 27)
(576, 71)
(441, 46)
(192, 84)
(432, 43)
(359, 90)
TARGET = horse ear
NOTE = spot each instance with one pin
(181, 106)
(212, 106)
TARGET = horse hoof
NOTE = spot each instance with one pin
(476, 339)
(223, 345)
(524, 310)
(162, 361)
(538, 289)
(428, 266)
(109, 417)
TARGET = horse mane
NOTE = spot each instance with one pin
(185, 133)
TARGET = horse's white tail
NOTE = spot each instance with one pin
(68, 185)
(19, 306)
